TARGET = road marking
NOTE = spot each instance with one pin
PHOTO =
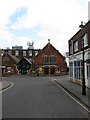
(12, 84)
(71, 96)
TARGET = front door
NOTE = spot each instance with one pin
(52, 70)
(46, 70)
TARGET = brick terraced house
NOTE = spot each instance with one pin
(50, 61)
(9, 64)
(29, 53)
(76, 55)
(11, 57)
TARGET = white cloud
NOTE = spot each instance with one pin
(22, 41)
(6, 38)
(59, 19)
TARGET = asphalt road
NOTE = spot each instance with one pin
(38, 97)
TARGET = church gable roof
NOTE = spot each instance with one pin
(50, 47)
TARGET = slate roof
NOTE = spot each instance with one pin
(14, 58)
(25, 59)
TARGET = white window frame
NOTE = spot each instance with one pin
(71, 49)
(76, 46)
(36, 52)
(24, 53)
(17, 53)
(9, 69)
(85, 40)
(30, 53)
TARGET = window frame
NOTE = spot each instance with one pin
(52, 59)
(71, 50)
(24, 53)
(36, 52)
(76, 46)
(85, 38)
(16, 53)
(30, 52)
(45, 59)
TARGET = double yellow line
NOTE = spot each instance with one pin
(12, 84)
(71, 96)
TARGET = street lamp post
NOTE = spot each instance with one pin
(83, 85)
(83, 81)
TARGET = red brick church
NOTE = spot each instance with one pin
(49, 61)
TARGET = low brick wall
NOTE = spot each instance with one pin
(70, 79)
(78, 82)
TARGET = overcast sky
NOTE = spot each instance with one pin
(39, 20)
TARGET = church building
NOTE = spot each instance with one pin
(50, 61)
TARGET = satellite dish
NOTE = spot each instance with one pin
(32, 43)
(28, 43)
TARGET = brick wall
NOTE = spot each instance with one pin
(78, 37)
(50, 50)
(11, 63)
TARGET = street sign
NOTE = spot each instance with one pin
(40, 69)
(67, 54)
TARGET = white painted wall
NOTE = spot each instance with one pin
(86, 80)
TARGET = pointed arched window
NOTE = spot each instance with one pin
(45, 59)
(52, 59)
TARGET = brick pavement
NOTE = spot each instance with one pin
(73, 88)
